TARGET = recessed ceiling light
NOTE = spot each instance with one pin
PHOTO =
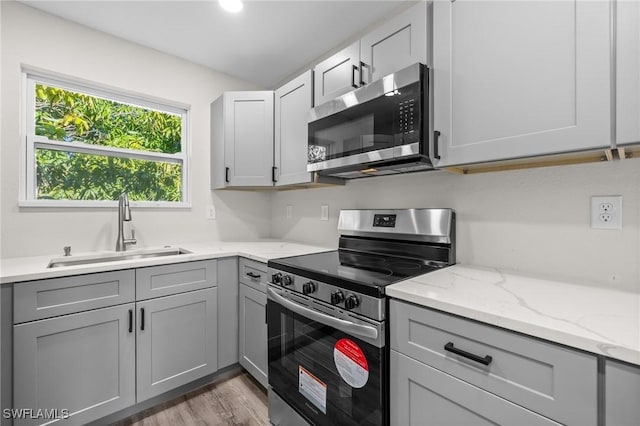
(233, 6)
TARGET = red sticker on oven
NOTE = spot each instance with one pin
(351, 363)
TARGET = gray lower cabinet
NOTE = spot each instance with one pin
(227, 312)
(83, 363)
(554, 381)
(622, 394)
(422, 395)
(253, 332)
(176, 341)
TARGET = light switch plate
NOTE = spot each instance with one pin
(211, 212)
(289, 211)
(324, 212)
(606, 212)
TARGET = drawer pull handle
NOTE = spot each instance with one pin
(130, 320)
(252, 275)
(141, 319)
(486, 360)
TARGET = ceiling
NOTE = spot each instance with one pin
(265, 43)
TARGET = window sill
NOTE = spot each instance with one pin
(101, 204)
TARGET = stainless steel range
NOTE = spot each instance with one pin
(328, 351)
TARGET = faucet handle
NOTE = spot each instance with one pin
(67, 250)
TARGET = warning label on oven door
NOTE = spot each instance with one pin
(312, 388)
(351, 363)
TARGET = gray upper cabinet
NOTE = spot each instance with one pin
(396, 44)
(177, 341)
(628, 72)
(292, 104)
(83, 362)
(520, 79)
(227, 312)
(337, 74)
(242, 139)
(622, 394)
(253, 333)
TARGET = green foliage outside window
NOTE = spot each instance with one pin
(67, 116)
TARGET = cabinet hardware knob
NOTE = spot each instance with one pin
(485, 360)
(353, 76)
(436, 138)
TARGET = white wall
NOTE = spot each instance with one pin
(40, 40)
(534, 221)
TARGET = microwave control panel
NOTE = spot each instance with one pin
(407, 111)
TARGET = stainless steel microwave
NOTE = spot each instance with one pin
(378, 129)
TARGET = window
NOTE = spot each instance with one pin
(86, 145)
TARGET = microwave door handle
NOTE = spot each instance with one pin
(346, 326)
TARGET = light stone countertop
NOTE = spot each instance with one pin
(14, 270)
(596, 319)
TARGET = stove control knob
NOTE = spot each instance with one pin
(287, 280)
(309, 287)
(351, 302)
(336, 297)
(276, 278)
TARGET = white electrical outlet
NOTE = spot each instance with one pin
(606, 212)
(289, 211)
(211, 212)
(324, 212)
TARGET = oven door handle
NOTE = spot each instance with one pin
(346, 326)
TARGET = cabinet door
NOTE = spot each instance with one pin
(248, 138)
(292, 104)
(421, 395)
(84, 363)
(337, 75)
(519, 79)
(396, 44)
(622, 393)
(177, 341)
(227, 312)
(253, 333)
(628, 72)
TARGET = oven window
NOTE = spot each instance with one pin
(326, 375)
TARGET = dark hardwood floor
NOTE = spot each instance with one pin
(235, 401)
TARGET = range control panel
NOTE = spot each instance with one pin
(384, 220)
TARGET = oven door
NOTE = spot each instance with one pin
(331, 371)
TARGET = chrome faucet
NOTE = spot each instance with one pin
(124, 215)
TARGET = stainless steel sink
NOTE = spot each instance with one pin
(114, 257)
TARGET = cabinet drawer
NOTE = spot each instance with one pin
(546, 378)
(59, 296)
(165, 280)
(421, 395)
(254, 274)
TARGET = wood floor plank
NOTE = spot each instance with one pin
(238, 401)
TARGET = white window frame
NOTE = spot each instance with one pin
(30, 77)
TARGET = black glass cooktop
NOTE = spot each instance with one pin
(366, 273)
